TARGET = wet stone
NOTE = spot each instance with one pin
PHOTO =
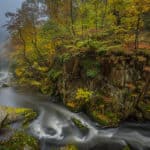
(50, 131)
(3, 115)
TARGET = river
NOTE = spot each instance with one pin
(54, 125)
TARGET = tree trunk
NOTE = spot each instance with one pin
(136, 44)
(71, 16)
(34, 42)
(96, 19)
(24, 47)
(104, 15)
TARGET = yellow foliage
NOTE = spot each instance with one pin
(102, 119)
(71, 147)
(19, 72)
(82, 94)
(40, 68)
(35, 83)
(71, 104)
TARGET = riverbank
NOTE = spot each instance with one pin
(56, 126)
(110, 86)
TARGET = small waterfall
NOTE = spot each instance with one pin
(4, 56)
(4, 64)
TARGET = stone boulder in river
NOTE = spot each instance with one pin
(3, 117)
(9, 115)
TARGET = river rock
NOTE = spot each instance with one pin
(3, 116)
(5, 85)
(11, 114)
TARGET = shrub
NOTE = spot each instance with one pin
(84, 43)
(95, 44)
(115, 47)
(83, 94)
(64, 57)
(35, 83)
(102, 50)
(92, 73)
(54, 74)
(90, 64)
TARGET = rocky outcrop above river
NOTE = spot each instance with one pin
(110, 86)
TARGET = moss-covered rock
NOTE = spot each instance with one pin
(69, 147)
(126, 148)
(20, 141)
(79, 124)
(17, 114)
(12, 139)
(108, 119)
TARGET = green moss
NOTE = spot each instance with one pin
(29, 115)
(15, 113)
(84, 43)
(64, 57)
(114, 119)
(116, 48)
(54, 74)
(78, 123)
(69, 147)
(83, 95)
(92, 73)
(19, 141)
(102, 50)
(45, 89)
(100, 118)
(94, 45)
(126, 148)
(107, 119)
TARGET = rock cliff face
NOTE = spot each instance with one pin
(110, 86)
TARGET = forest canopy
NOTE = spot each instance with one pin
(43, 30)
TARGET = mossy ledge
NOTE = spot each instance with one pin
(15, 138)
(20, 141)
(16, 114)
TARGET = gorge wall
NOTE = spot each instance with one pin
(110, 87)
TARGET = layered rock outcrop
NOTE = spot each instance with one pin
(110, 86)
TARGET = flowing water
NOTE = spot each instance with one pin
(54, 125)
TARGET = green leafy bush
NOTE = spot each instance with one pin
(102, 50)
(54, 74)
(84, 43)
(92, 73)
(95, 44)
(64, 57)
